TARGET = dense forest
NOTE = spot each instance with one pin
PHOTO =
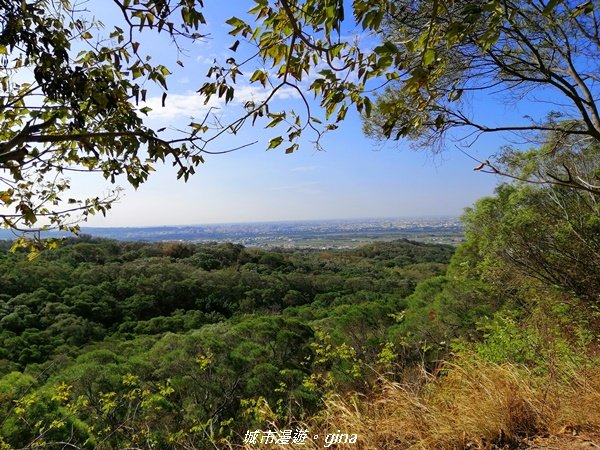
(132, 345)
(214, 326)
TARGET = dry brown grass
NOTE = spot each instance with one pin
(578, 403)
(472, 404)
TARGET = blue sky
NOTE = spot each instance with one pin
(354, 177)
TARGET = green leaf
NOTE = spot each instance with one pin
(5, 197)
(439, 121)
(275, 142)
(429, 56)
(229, 94)
(28, 213)
(455, 94)
(277, 118)
(235, 22)
(136, 72)
(291, 149)
(368, 106)
(259, 75)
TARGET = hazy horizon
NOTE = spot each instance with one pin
(276, 221)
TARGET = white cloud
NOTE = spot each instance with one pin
(179, 105)
(191, 104)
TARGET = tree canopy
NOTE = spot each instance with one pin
(541, 52)
(73, 92)
(70, 102)
(432, 59)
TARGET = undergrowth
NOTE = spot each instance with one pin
(469, 403)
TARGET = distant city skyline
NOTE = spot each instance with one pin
(287, 234)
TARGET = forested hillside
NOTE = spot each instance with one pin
(110, 345)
